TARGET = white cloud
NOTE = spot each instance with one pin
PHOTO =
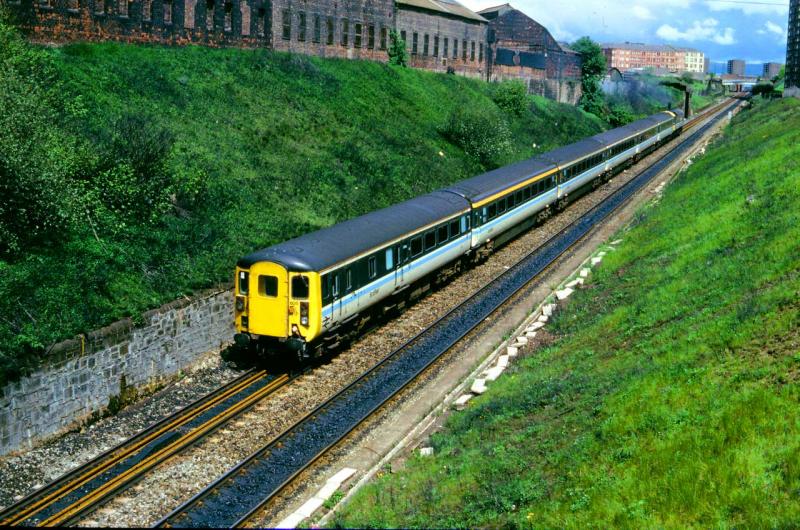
(700, 30)
(771, 28)
(642, 12)
(767, 8)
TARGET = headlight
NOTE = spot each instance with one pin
(245, 322)
(240, 303)
(304, 313)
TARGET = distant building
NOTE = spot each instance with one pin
(736, 67)
(771, 70)
(706, 65)
(793, 51)
(521, 48)
(633, 55)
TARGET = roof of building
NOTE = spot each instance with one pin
(325, 248)
(449, 7)
(493, 13)
(640, 46)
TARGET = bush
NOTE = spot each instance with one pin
(512, 97)
(482, 134)
(397, 50)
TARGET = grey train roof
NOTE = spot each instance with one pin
(564, 155)
(327, 247)
(615, 135)
(487, 184)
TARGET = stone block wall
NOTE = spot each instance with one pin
(79, 377)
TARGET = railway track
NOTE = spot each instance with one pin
(74, 494)
(247, 488)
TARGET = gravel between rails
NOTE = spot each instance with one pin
(177, 480)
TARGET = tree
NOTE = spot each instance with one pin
(397, 49)
(593, 70)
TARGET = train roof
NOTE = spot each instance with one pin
(621, 133)
(569, 153)
(324, 248)
(483, 186)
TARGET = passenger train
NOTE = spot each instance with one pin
(305, 296)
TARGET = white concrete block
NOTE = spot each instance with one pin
(617, 242)
(585, 272)
(342, 476)
(502, 361)
(478, 386)
(293, 521)
(596, 261)
(530, 335)
(522, 340)
(535, 326)
(310, 506)
(494, 372)
(461, 402)
(512, 351)
(574, 283)
(327, 491)
(549, 309)
(563, 295)
(543, 319)
(601, 254)
(426, 451)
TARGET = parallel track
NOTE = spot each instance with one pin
(83, 489)
(236, 496)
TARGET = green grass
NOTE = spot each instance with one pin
(670, 397)
(267, 146)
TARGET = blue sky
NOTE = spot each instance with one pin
(751, 30)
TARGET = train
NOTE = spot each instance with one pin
(304, 297)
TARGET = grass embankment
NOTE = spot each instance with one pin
(143, 172)
(670, 395)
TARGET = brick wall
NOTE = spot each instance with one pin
(80, 376)
(437, 28)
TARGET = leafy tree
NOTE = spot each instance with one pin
(397, 49)
(593, 70)
(512, 97)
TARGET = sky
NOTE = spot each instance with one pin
(752, 30)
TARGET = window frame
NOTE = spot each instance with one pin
(307, 287)
(263, 286)
(286, 24)
(301, 26)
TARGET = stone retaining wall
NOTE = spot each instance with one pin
(80, 377)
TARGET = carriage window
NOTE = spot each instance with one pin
(526, 193)
(511, 201)
(442, 234)
(268, 286)
(430, 240)
(464, 224)
(335, 285)
(518, 198)
(389, 259)
(372, 267)
(501, 206)
(492, 211)
(416, 246)
(453, 228)
(243, 277)
(300, 287)
(326, 287)
(348, 279)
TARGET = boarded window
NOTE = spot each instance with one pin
(414, 43)
(286, 24)
(261, 21)
(147, 10)
(436, 46)
(228, 16)
(403, 36)
(268, 286)
(167, 12)
(357, 40)
(444, 49)
(122, 8)
(345, 32)
(188, 13)
(244, 8)
(463, 50)
(371, 37)
(472, 51)
(317, 28)
(455, 48)
(300, 287)
(210, 8)
(480, 52)
(383, 38)
(301, 27)
(329, 29)
(425, 40)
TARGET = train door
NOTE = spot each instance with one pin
(403, 257)
(269, 305)
(337, 294)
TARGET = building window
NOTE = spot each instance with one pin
(444, 50)
(147, 10)
(260, 21)
(329, 29)
(383, 38)
(403, 37)
(463, 50)
(210, 14)
(371, 37)
(99, 6)
(425, 41)
(436, 46)
(301, 27)
(357, 40)
(72, 5)
(167, 11)
(345, 32)
(455, 48)
(122, 8)
(480, 52)
(472, 51)
(286, 23)
(414, 43)
(317, 29)
(46, 3)
(228, 15)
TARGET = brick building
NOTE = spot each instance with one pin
(443, 35)
(736, 67)
(521, 48)
(771, 70)
(633, 55)
(793, 51)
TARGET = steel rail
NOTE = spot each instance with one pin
(236, 496)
